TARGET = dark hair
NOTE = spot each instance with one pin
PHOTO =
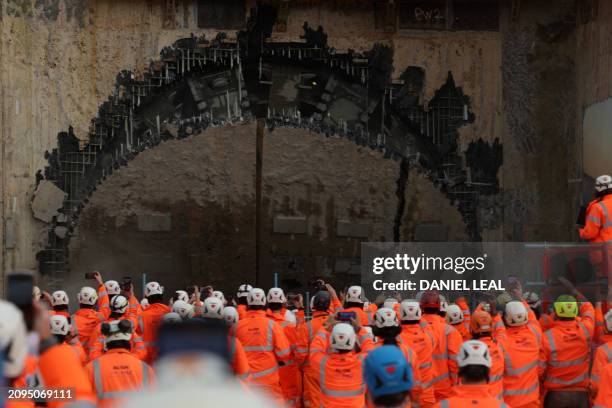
(275, 306)
(242, 300)
(481, 335)
(322, 300)
(60, 308)
(60, 338)
(474, 373)
(348, 305)
(155, 299)
(256, 307)
(124, 344)
(391, 400)
(431, 310)
(84, 306)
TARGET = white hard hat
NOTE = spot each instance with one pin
(112, 287)
(390, 303)
(13, 339)
(290, 317)
(59, 325)
(244, 290)
(516, 313)
(256, 297)
(443, 303)
(172, 317)
(276, 295)
(385, 317)
(118, 331)
(343, 337)
(603, 183)
(532, 299)
(59, 298)
(213, 308)
(230, 315)
(36, 293)
(608, 321)
(219, 295)
(454, 314)
(182, 295)
(87, 296)
(119, 304)
(184, 309)
(144, 303)
(410, 310)
(153, 288)
(474, 352)
(354, 294)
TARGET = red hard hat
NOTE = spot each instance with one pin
(430, 299)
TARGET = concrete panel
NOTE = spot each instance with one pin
(430, 232)
(352, 229)
(351, 266)
(48, 198)
(154, 222)
(290, 225)
(597, 143)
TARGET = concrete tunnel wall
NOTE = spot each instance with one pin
(59, 63)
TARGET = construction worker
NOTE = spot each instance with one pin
(521, 346)
(604, 391)
(118, 372)
(306, 331)
(447, 343)
(60, 328)
(465, 308)
(474, 363)
(109, 289)
(534, 303)
(231, 317)
(481, 328)
(119, 311)
(565, 355)
(183, 309)
(87, 318)
(387, 330)
(603, 354)
(219, 295)
(418, 337)
(455, 317)
(172, 317)
(59, 303)
(598, 222)
(290, 378)
(181, 295)
(388, 377)
(150, 319)
(354, 302)
(243, 292)
(340, 369)
(265, 344)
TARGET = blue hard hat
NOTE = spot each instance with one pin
(386, 372)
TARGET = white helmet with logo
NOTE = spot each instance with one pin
(608, 321)
(87, 296)
(144, 303)
(474, 352)
(516, 314)
(13, 339)
(212, 308)
(276, 295)
(219, 295)
(172, 317)
(112, 287)
(410, 310)
(354, 294)
(119, 304)
(390, 303)
(385, 317)
(59, 325)
(181, 295)
(184, 309)
(603, 183)
(59, 298)
(532, 299)
(454, 314)
(343, 337)
(230, 315)
(256, 297)
(153, 288)
(244, 290)
(117, 330)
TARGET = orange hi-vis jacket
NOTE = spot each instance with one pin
(340, 378)
(265, 345)
(80, 352)
(421, 340)
(565, 353)
(471, 396)
(148, 322)
(499, 328)
(364, 317)
(85, 322)
(103, 301)
(305, 335)
(465, 308)
(463, 330)
(604, 392)
(603, 357)
(546, 321)
(242, 310)
(290, 378)
(496, 373)
(600, 332)
(238, 358)
(598, 226)
(422, 390)
(447, 344)
(117, 374)
(521, 347)
(98, 343)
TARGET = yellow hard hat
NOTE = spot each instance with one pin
(566, 306)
